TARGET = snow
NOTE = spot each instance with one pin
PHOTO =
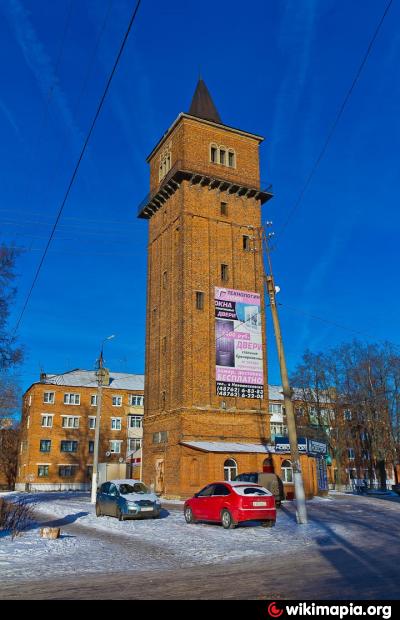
(94, 544)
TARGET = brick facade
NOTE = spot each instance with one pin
(41, 463)
(189, 239)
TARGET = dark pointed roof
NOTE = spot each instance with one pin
(202, 105)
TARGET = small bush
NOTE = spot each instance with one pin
(15, 516)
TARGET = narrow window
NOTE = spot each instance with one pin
(199, 300)
(165, 279)
(224, 208)
(231, 159)
(224, 272)
(163, 399)
(213, 154)
(246, 243)
(222, 156)
(164, 344)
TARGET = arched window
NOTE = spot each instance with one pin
(222, 155)
(194, 472)
(268, 466)
(287, 471)
(230, 470)
(231, 158)
(214, 153)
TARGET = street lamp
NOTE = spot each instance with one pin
(100, 373)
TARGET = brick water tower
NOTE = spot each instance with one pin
(206, 410)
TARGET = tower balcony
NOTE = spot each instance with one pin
(178, 173)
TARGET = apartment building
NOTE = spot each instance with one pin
(58, 428)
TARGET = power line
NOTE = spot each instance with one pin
(75, 172)
(336, 121)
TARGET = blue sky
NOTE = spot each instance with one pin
(279, 68)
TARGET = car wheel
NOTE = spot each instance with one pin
(227, 521)
(269, 523)
(120, 516)
(98, 511)
(189, 518)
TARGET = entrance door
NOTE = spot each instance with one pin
(159, 486)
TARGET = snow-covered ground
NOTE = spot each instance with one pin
(91, 544)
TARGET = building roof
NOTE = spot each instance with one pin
(202, 105)
(227, 446)
(88, 378)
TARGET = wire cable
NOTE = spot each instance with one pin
(335, 123)
(75, 172)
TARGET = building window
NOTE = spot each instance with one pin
(231, 159)
(66, 471)
(160, 437)
(165, 161)
(70, 422)
(69, 446)
(135, 444)
(224, 272)
(45, 445)
(91, 447)
(214, 154)
(48, 398)
(72, 399)
(47, 421)
(347, 414)
(163, 399)
(116, 424)
(117, 401)
(93, 400)
(135, 421)
(273, 408)
(230, 470)
(43, 471)
(165, 279)
(278, 430)
(199, 300)
(136, 401)
(92, 423)
(246, 243)
(224, 208)
(351, 454)
(287, 471)
(222, 156)
(28, 421)
(115, 447)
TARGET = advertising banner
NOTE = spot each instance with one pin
(317, 448)
(238, 343)
(282, 444)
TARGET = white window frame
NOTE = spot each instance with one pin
(51, 401)
(136, 397)
(93, 400)
(285, 475)
(92, 422)
(114, 398)
(116, 424)
(49, 418)
(275, 408)
(115, 443)
(76, 397)
(70, 417)
(137, 441)
(135, 418)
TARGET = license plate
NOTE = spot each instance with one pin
(259, 503)
(146, 509)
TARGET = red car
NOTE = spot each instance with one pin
(231, 503)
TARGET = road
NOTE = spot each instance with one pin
(334, 567)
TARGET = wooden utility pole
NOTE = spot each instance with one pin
(301, 511)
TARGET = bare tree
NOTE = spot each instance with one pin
(9, 442)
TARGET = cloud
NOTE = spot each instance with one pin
(38, 61)
(10, 118)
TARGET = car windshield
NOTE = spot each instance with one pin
(138, 487)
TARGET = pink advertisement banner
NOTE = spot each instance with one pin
(238, 343)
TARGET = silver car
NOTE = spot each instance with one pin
(126, 499)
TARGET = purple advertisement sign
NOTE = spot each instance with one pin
(238, 344)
